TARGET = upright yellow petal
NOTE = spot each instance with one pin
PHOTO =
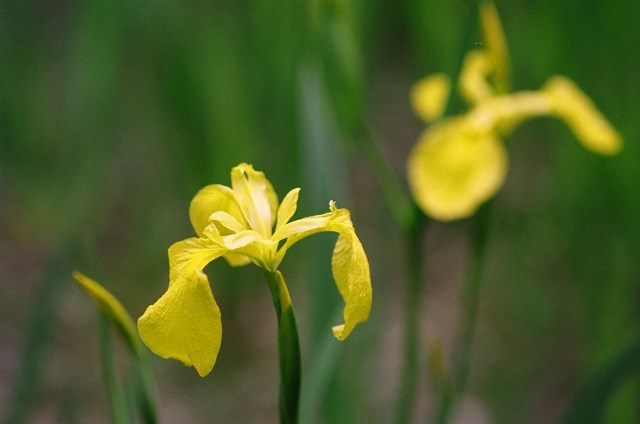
(210, 199)
(429, 96)
(454, 168)
(257, 197)
(591, 128)
(496, 45)
(185, 323)
(109, 305)
(351, 272)
(287, 207)
(473, 84)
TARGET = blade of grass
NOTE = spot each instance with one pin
(590, 405)
(117, 401)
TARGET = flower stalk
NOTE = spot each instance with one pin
(288, 349)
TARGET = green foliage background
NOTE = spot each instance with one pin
(113, 114)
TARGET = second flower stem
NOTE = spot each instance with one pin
(468, 321)
(410, 375)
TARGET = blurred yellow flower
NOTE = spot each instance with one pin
(460, 162)
(244, 223)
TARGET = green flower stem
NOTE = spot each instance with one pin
(409, 376)
(288, 348)
(412, 223)
(116, 396)
(467, 326)
(402, 207)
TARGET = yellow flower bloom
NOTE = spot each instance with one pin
(244, 223)
(460, 162)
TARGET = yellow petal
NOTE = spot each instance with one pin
(429, 96)
(503, 113)
(454, 168)
(185, 324)
(241, 239)
(192, 253)
(228, 223)
(109, 305)
(496, 45)
(591, 128)
(349, 263)
(351, 273)
(304, 227)
(224, 222)
(236, 259)
(473, 84)
(257, 197)
(288, 207)
(210, 199)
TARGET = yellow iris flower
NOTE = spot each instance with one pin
(245, 223)
(460, 162)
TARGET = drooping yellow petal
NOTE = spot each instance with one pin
(349, 262)
(429, 96)
(210, 199)
(591, 128)
(454, 168)
(473, 84)
(496, 46)
(185, 323)
(351, 273)
(110, 306)
(257, 198)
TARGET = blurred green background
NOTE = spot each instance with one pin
(113, 114)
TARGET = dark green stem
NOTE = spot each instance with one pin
(411, 361)
(412, 224)
(467, 326)
(288, 349)
(402, 208)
